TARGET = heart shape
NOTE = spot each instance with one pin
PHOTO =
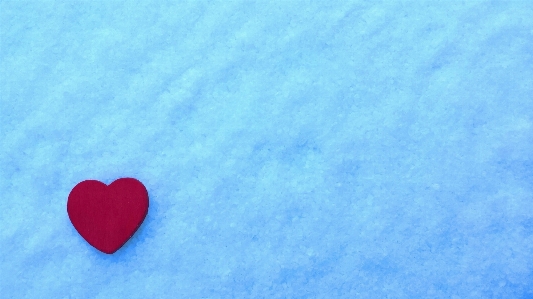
(107, 216)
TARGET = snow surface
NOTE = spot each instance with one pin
(291, 149)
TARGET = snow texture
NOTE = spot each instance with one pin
(291, 149)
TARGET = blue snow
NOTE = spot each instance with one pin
(291, 149)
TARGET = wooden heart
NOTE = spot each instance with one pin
(107, 216)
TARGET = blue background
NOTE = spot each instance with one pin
(291, 149)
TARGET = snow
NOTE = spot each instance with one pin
(291, 149)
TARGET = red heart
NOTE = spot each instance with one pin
(107, 216)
